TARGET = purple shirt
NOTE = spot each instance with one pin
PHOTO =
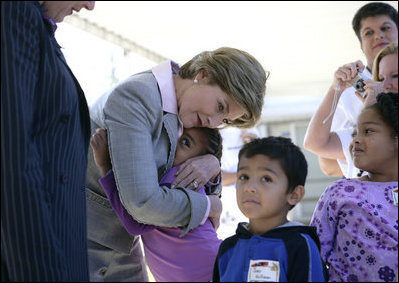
(169, 256)
(357, 223)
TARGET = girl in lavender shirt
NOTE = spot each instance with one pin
(357, 219)
(170, 257)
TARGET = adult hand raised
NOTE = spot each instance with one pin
(346, 73)
(372, 89)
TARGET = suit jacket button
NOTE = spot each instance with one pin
(63, 179)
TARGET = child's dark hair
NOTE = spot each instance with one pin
(387, 107)
(372, 10)
(286, 152)
(214, 145)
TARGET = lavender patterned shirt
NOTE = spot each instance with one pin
(357, 223)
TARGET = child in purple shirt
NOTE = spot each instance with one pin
(357, 219)
(170, 257)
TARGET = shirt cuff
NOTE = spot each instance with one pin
(208, 209)
(107, 178)
(214, 188)
(216, 180)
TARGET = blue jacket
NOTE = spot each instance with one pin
(284, 254)
(45, 132)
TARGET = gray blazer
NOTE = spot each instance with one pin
(143, 140)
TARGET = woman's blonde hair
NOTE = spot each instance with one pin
(390, 49)
(238, 74)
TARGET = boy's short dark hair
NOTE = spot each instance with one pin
(289, 155)
(371, 10)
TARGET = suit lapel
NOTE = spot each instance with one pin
(171, 126)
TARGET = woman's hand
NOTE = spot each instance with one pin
(372, 89)
(195, 172)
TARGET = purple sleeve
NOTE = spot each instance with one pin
(325, 220)
(131, 225)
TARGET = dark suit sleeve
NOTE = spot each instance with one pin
(21, 169)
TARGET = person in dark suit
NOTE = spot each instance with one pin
(45, 133)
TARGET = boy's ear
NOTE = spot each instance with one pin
(296, 195)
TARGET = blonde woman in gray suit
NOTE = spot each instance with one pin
(144, 116)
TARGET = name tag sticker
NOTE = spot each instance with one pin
(395, 196)
(263, 270)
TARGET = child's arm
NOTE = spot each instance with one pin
(99, 145)
(131, 225)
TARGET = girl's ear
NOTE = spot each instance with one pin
(296, 195)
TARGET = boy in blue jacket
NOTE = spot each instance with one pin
(271, 177)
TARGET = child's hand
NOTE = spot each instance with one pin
(99, 144)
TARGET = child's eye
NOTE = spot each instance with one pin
(220, 107)
(242, 177)
(385, 28)
(185, 142)
(354, 134)
(368, 131)
(266, 179)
